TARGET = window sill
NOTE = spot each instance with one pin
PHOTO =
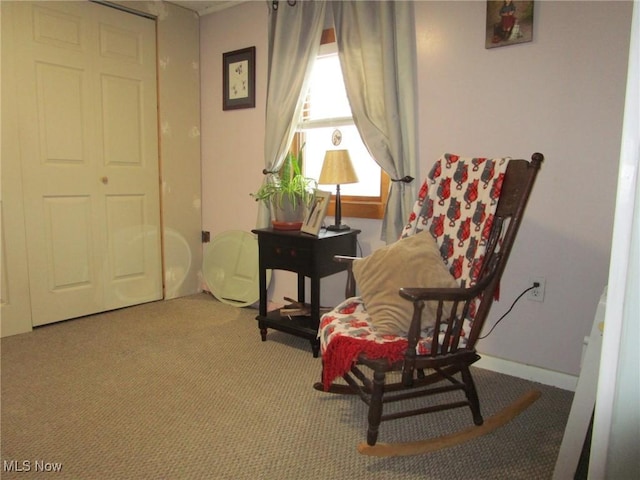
(360, 208)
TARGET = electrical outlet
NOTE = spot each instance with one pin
(537, 294)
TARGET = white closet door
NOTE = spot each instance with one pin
(89, 155)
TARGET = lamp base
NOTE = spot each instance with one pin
(338, 228)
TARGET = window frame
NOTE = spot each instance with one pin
(372, 207)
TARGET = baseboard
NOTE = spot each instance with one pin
(528, 372)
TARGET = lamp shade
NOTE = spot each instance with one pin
(337, 168)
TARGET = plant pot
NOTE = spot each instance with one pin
(286, 216)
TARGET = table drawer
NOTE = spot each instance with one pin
(287, 257)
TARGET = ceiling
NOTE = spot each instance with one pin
(205, 7)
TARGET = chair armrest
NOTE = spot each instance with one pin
(449, 320)
(350, 287)
(461, 299)
(459, 294)
(344, 259)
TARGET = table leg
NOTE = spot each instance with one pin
(301, 288)
(315, 299)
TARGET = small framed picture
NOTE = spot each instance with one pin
(239, 79)
(317, 212)
(509, 22)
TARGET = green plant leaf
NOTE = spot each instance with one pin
(289, 183)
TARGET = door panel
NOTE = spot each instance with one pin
(122, 118)
(88, 137)
(126, 222)
(58, 28)
(60, 95)
(121, 45)
(71, 263)
(133, 272)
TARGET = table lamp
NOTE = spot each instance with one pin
(336, 170)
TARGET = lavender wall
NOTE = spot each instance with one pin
(561, 94)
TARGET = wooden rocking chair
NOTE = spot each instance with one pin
(475, 247)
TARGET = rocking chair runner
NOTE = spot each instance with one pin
(446, 348)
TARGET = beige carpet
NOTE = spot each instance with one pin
(185, 389)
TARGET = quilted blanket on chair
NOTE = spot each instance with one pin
(456, 204)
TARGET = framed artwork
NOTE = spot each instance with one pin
(317, 212)
(508, 22)
(239, 79)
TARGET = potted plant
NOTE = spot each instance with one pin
(288, 194)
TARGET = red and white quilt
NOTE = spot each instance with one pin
(456, 203)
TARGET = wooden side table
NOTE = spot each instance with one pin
(308, 256)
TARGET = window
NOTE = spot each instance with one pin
(326, 111)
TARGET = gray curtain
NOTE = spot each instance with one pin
(294, 39)
(377, 49)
